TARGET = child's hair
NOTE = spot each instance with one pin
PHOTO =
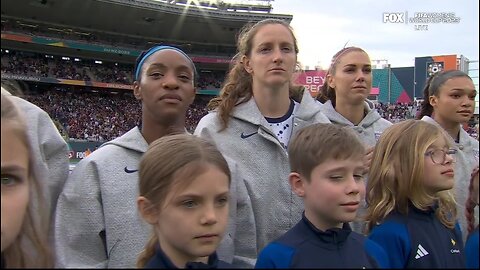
(317, 143)
(171, 163)
(471, 204)
(396, 174)
(237, 87)
(432, 87)
(30, 248)
(326, 92)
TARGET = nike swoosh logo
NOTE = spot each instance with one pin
(244, 136)
(130, 171)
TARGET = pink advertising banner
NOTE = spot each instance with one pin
(311, 79)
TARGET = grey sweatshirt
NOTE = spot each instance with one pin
(97, 221)
(467, 160)
(50, 155)
(263, 163)
(368, 130)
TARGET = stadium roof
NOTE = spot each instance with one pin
(139, 18)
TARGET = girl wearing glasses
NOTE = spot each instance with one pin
(449, 102)
(411, 212)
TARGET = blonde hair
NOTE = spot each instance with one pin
(237, 87)
(396, 174)
(30, 248)
(173, 161)
(308, 148)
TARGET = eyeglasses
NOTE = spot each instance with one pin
(439, 156)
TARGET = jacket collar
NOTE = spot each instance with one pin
(161, 260)
(332, 236)
(249, 111)
(463, 137)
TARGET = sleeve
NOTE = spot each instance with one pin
(55, 152)
(275, 255)
(242, 229)
(79, 222)
(205, 127)
(378, 254)
(245, 239)
(393, 238)
(471, 250)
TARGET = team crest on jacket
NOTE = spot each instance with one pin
(378, 134)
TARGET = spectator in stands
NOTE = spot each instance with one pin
(449, 101)
(97, 224)
(257, 112)
(344, 101)
(397, 112)
(49, 149)
(25, 221)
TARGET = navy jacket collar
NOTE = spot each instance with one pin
(161, 260)
(333, 235)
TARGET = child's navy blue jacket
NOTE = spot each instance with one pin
(419, 240)
(161, 261)
(304, 246)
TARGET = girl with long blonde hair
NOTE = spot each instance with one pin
(411, 212)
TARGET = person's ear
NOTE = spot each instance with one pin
(136, 90)
(147, 210)
(330, 80)
(246, 64)
(433, 100)
(297, 184)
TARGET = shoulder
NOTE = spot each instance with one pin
(393, 227)
(275, 255)
(472, 240)
(391, 234)
(384, 122)
(207, 122)
(377, 252)
(26, 105)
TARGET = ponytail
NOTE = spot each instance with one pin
(148, 252)
(432, 87)
(426, 108)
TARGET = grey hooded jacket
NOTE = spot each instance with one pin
(368, 130)
(50, 155)
(97, 222)
(263, 163)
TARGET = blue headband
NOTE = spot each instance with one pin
(156, 49)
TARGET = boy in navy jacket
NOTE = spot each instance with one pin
(327, 172)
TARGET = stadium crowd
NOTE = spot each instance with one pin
(98, 116)
(40, 65)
